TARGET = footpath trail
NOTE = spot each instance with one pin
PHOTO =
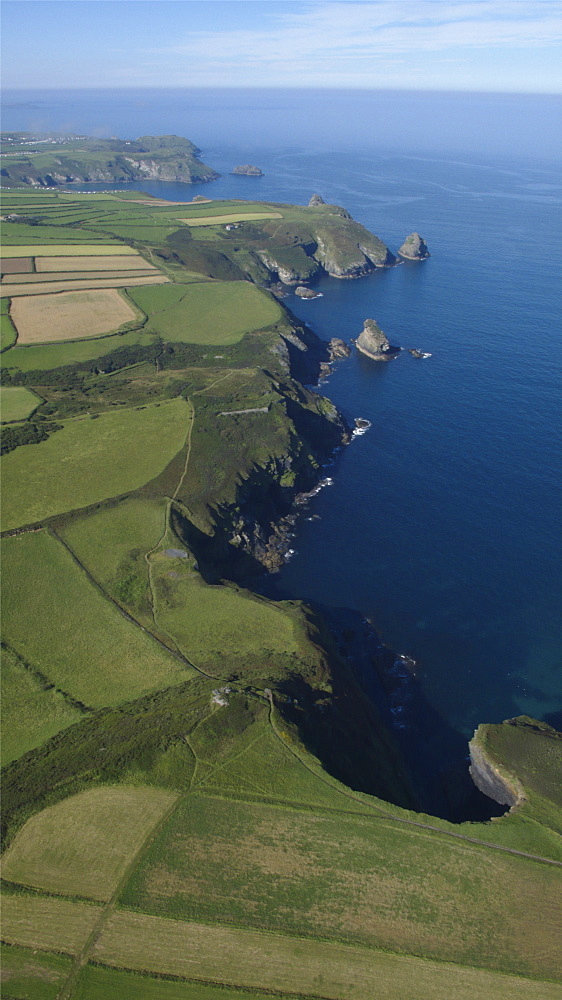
(401, 819)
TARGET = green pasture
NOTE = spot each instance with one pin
(31, 711)
(91, 460)
(17, 403)
(63, 626)
(8, 332)
(16, 236)
(221, 629)
(45, 357)
(217, 220)
(83, 845)
(97, 982)
(366, 880)
(213, 314)
(32, 975)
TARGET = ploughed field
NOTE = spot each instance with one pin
(172, 828)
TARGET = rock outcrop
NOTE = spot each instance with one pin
(316, 201)
(338, 348)
(306, 293)
(247, 170)
(414, 248)
(374, 343)
(489, 779)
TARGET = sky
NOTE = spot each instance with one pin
(469, 45)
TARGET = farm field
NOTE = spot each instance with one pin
(47, 923)
(67, 630)
(214, 314)
(254, 864)
(70, 276)
(8, 333)
(17, 403)
(27, 973)
(97, 982)
(71, 849)
(216, 220)
(12, 289)
(49, 356)
(31, 712)
(95, 464)
(319, 968)
(16, 265)
(68, 249)
(124, 262)
(70, 315)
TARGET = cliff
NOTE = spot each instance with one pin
(414, 248)
(51, 162)
(374, 343)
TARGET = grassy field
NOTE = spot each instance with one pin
(31, 712)
(44, 287)
(87, 461)
(57, 277)
(46, 923)
(214, 624)
(207, 313)
(83, 845)
(319, 968)
(68, 249)
(49, 356)
(8, 332)
(29, 974)
(99, 983)
(217, 220)
(395, 887)
(70, 315)
(113, 542)
(17, 403)
(124, 262)
(58, 621)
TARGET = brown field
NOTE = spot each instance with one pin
(16, 265)
(47, 923)
(70, 315)
(83, 845)
(259, 959)
(12, 290)
(217, 220)
(71, 275)
(125, 262)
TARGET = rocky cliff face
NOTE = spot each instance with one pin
(414, 248)
(496, 784)
(374, 343)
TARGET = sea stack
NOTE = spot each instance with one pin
(316, 200)
(247, 170)
(374, 343)
(414, 248)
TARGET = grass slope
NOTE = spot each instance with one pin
(90, 460)
(57, 621)
(31, 710)
(30, 974)
(17, 403)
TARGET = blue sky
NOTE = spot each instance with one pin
(487, 45)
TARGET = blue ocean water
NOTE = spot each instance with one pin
(442, 525)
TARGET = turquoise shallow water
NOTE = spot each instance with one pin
(442, 524)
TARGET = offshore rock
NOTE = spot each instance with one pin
(414, 248)
(247, 170)
(374, 343)
(338, 349)
(316, 200)
(306, 293)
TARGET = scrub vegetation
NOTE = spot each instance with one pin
(199, 801)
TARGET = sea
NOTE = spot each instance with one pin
(440, 525)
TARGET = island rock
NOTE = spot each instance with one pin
(247, 170)
(306, 293)
(338, 349)
(414, 248)
(374, 343)
(316, 201)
